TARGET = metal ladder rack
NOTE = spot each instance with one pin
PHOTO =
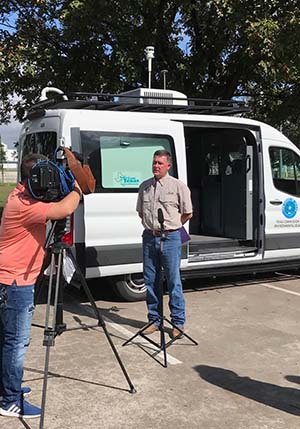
(154, 104)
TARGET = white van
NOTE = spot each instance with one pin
(244, 178)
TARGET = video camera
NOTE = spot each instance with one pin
(51, 180)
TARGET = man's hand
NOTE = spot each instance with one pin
(185, 217)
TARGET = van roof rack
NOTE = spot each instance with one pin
(113, 102)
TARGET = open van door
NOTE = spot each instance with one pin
(282, 192)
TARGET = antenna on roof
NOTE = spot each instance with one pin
(149, 55)
(164, 72)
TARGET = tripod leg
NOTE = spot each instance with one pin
(48, 341)
(163, 341)
(101, 322)
(45, 383)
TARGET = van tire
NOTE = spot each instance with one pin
(130, 287)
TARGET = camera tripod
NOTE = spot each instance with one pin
(56, 252)
(161, 319)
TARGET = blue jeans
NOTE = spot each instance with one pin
(16, 311)
(171, 264)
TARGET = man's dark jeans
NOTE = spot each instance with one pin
(171, 264)
(16, 311)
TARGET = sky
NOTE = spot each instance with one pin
(10, 133)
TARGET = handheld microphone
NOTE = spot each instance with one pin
(160, 216)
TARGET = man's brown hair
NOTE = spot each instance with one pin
(27, 162)
(163, 152)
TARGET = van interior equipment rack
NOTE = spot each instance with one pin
(113, 102)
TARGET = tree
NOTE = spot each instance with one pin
(2, 158)
(247, 48)
(76, 46)
(234, 48)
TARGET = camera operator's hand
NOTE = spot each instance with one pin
(67, 205)
(77, 188)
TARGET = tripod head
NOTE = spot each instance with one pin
(55, 234)
(59, 230)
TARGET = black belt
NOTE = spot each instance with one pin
(158, 233)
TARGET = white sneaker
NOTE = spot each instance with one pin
(21, 409)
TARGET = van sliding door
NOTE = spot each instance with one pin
(119, 151)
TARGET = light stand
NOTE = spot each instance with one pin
(56, 254)
(162, 346)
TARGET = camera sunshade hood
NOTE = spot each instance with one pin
(82, 173)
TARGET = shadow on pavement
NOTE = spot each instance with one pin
(282, 398)
(75, 301)
(293, 378)
(56, 375)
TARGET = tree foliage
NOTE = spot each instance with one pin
(2, 153)
(212, 48)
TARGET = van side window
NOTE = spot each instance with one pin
(122, 161)
(285, 165)
(42, 142)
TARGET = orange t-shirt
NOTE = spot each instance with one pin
(22, 237)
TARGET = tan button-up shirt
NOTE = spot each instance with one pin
(169, 194)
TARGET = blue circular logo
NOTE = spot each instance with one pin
(289, 208)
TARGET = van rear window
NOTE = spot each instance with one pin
(122, 161)
(42, 142)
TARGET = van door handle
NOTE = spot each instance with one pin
(248, 163)
(276, 202)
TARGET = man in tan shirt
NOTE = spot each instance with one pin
(172, 196)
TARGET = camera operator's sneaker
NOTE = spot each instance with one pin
(21, 409)
(26, 391)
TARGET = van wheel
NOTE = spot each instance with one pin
(130, 287)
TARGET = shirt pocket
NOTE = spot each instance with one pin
(147, 199)
(147, 204)
(169, 200)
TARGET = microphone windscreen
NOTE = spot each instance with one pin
(160, 216)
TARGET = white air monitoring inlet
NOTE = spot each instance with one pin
(44, 92)
(149, 55)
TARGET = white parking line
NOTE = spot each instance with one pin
(170, 359)
(280, 288)
(128, 334)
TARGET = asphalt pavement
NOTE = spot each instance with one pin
(244, 373)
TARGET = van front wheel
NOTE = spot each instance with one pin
(130, 287)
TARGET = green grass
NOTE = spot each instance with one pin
(5, 189)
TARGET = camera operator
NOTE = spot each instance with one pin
(22, 238)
